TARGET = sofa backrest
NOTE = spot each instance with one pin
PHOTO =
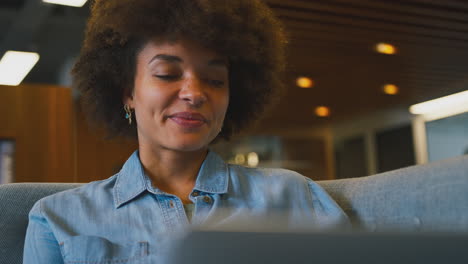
(432, 197)
(16, 200)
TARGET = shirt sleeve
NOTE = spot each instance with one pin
(41, 246)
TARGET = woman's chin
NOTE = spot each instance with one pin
(190, 144)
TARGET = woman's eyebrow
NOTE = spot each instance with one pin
(165, 57)
(172, 58)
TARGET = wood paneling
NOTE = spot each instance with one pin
(53, 141)
(8, 110)
(97, 157)
(39, 120)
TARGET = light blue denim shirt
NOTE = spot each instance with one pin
(124, 219)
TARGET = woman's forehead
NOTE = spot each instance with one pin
(179, 50)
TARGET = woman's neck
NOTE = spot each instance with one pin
(174, 172)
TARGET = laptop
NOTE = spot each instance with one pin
(234, 247)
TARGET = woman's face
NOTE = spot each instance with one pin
(180, 97)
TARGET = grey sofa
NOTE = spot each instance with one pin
(432, 197)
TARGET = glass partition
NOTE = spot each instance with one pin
(447, 137)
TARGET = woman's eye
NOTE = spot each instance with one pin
(167, 77)
(217, 83)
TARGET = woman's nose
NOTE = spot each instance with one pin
(193, 92)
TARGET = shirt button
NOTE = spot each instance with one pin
(171, 204)
(207, 199)
(195, 194)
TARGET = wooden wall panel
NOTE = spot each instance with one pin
(98, 158)
(8, 110)
(53, 140)
(39, 120)
(32, 148)
(61, 136)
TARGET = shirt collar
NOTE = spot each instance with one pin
(132, 181)
(213, 176)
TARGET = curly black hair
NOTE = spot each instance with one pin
(246, 31)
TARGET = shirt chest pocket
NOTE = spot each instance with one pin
(98, 250)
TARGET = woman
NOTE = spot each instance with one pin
(176, 75)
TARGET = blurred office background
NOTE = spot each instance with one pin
(355, 67)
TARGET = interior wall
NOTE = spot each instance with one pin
(368, 127)
(38, 119)
(53, 142)
(97, 157)
(308, 151)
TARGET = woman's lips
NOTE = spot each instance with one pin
(188, 119)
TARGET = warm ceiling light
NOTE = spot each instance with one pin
(304, 82)
(239, 159)
(252, 159)
(15, 65)
(322, 111)
(385, 48)
(390, 89)
(75, 3)
(442, 107)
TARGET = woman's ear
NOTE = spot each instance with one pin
(127, 100)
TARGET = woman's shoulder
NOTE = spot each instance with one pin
(80, 194)
(283, 188)
(278, 174)
(259, 180)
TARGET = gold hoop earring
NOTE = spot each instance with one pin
(128, 113)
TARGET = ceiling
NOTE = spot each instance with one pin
(331, 41)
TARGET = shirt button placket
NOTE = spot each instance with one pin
(175, 214)
(203, 203)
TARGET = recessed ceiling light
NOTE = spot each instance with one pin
(15, 66)
(442, 107)
(239, 159)
(252, 159)
(322, 111)
(75, 3)
(390, 89)
(304, 82)
(385, 48)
